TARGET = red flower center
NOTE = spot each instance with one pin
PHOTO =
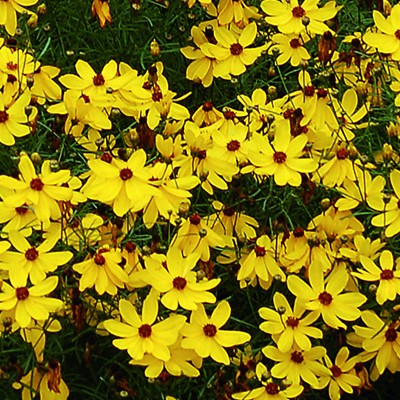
(125, 174)
(31, 254)
(297, 357)
(397, 34)
(11, 66)
(157, 96)
(280, 157)
(292, 322)
(272, 388)
(309, 90)
(195, 219)
(85, 98)
(342, 154)
(236, 49)
(145, 331)
(3, 116)
(98, 80)
(295, 43)
(106, 157)
(36, 184)
(298, 232)
(322, 93)
(208, 106)
(229, 114)
(99, 259)
(22, 293)
(298, 12)
(325, 298)
(387, 274)
(130, 247)
(260, 251)
(210, 330)
(11, 78)
(391, 335)
(233, 145)
(336, 371)
(21, 210)
(179, 283)
(229, 212)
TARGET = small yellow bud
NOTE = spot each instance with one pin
(387, 152)
(387, 8)
(362, 88)
(42, 9)
(154, 48)
(33, 21)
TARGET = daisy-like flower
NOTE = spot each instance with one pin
(8, 13)
(234, 54)
(388, 39)
(283, 159)
(289, 16)
(43, 85)
(388, 276)
(31, 261)
(173, 276)
(140, 335)
(102, 271)
(270, 389)
(290, 48)
(235, 11)
(29, 303)
(328, 299)
(390, 216)
(205, 337)
(343, 376)
(39, 191)
(286, 326)
(362, 247)
(297, 364)
(101, 8)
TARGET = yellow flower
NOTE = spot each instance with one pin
(235, 11)
(172, 275)
(362, 247)
(205, 337)
(101, 8)
(140, 335)
(343, 376)
(43, 85)
(102, 271)
(29, 303)
(283, 160)
(388, 39)
(286, 326)
(31, 261)
(298, 364)
(328, 299)
(270, 389)
(8, 13)
(290, 47)
(388, 276)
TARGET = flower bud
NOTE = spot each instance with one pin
(364, 159)
(362, 88)
(386, 197)
(271, 72)
(281, 310)
(325, 204)
(305, 20)
(36, 157)
(387, 152)
(184, 208)
(70, 53)
(275, 52)
(373, 288)
(54, 165)
(154, 48)
(200, 275)
(28, 110)
(387, 7)
(202, 232)
(32, 21)
(42, 9)
(303, 64)
(29, 81)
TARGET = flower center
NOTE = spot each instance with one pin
(298, 232)
(179, 283)
(208, 106)
(342, 154)
(99, 259)
(145, 331)
(297, 357)
(279, 157)
(11, 78)
(325, 298)
(229, 114)
(236, 49)
(233, 145)
(387, 274)
(210, 330)
(106, 157)
(125, 174)
(98, 80)
(130, 247)
(322, 93)
(195, 219)
(309, 91)
(85, 98)
(229, 212)
(272, 388)
(391, 335)
(295, 43)
(298, 12)
(157, 96)
(31, 254)
(22, 293)
(260, 251)
(11, 66)
(36, 184)
(3, 116)
(336, 371)
(397, 34)
(21, 210)
(292, 322)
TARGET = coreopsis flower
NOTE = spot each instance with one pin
(283, 159)
(101, 8)
(382, 339)
(8, 13)
(390, 216)
(233, 54)
(43, 85)
(290, 48)
(261, 261)
(29, 303)
(45, 380)
(297, 364)
(388, 276)
(289, 16)
(235, 11)
(102, 271)
(362, 247)
(39, 191)
(270, 389)
(286, 326)
(206, 114)
(343, 377)
(328, 299)
(205, 337)
(140, 335)
(387, 40)
(32, 261)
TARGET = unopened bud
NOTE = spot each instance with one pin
(272, 91)
(29, 81)
(183, 209)
(275, 52)
(32, 21)
(325, 204)
(364, 159)
(387, 7)
(270, 118)
(70, 53)
(154, 48)
(271, 72)
(362, 88)
(278, 278)
(200, 275)
(146, 250)
(373, 288)
(36, 157)
(28, 110)
(46, 28)
(202, 232)
(305, 20)
(281, 310)
(42, 9)
(387, 152)
(353, 151)
(54, 165)
(304, 64)
(386, 197)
